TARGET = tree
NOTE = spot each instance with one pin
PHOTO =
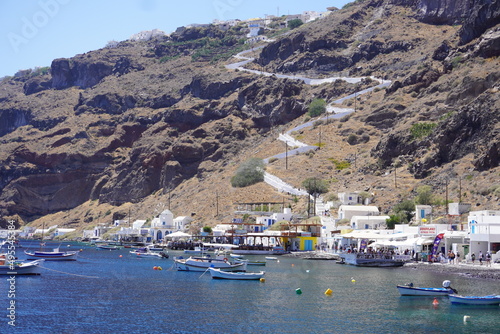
(250, 172)
(392, 221)
(405, 210)
(317, 107)
(295, 23)
(207, 229)
(424, 195)
(314, 187)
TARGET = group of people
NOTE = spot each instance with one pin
(481, 258)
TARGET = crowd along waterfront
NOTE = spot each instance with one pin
(116, 292)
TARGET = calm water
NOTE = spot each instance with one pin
(128, 296)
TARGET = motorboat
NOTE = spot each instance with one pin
(475, 300)
(410, 290)
(54, 255)
(218, 273)
(150, 254)
(20, 268)
(203, 263)
(108, 247)
(372, 259)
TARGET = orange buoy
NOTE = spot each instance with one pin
(121, 255)
(155, 268)
(435, 302)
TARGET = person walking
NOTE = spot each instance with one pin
(473, 258)
(481, 258)
(488, 259)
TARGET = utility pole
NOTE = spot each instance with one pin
(395, 177)
(355, 98)
(216, 204)
(446, 200)
(459, 190)
(319, 145)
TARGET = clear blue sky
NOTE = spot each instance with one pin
(34, 32)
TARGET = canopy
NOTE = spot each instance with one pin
(178, 234)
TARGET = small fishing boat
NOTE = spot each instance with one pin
(475, 300)
(203, 263)
(410, 290)
(255, 263)
(108, 247)
(149, 254)
(271, 258)
(236, 256)
(54, 255)
(217, 273)
(20, 268)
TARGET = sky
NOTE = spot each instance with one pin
(34, 32)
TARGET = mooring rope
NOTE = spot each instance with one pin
(62, 272)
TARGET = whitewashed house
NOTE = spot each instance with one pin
(348, 211)
(349, 198)
(165, 224)
(368, 222)
(422, 212)
(484, 229)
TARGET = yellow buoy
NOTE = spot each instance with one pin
(262, 280)
(353, 280)
(159, 268)
(328, 292)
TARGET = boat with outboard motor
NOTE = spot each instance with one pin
(218, 273)
(54, 255)
(475, 300)
(410, 290)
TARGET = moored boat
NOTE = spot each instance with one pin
(475, 300)
(203, 263)
(373, 259)
(217, 273)
(410, 290)
(108, 247)
(20, 268)
(54, 255)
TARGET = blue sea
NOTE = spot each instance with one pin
(105, 293)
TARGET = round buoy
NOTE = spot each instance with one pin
(155, 268)
(81, 250)
(353, 280)
(278, 261)
(121, 255)
(328, 292)
(307, 270)
(435, 302)
(262, 280)
(293, 265)
(298, 291)
(466, 318)
(69, 245)
(159, 268)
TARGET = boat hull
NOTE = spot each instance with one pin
(26, 268)
(415, 291)
(475, 300)
(52, 256)
(219, 274)
(203, 265)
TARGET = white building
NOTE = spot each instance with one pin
(456, 209)
(484, 229)
(62, 231)
(368, 222)
(147, 35)
(348, 211)
(349, 198)
(422, 212)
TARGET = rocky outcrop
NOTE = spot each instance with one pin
(482, 16)
(11, 119)
(111, 103)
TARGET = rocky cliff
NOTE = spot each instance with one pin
(133, 123)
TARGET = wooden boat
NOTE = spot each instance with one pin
(203, 263)
(475, 300)
(20, 268)
(217, 273)
(372, 260)
(54, 255)
(410, 290)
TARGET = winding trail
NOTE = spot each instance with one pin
(332, 108)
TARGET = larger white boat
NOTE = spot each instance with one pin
(54, 255)
(203, 263)
(372, 259)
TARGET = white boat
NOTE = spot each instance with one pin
(217, 273)
(251, 250)
(236, 256)
(149, 254)
(54, 255)
(203, 263)
(20, 268)
(410, 290)
(271, 258)
(197, 251)
(475, 300)
(372, 259)
(108, 247)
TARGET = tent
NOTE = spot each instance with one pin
(178, 235)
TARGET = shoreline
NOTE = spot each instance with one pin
(462, 269)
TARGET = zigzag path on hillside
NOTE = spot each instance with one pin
(337, 112)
